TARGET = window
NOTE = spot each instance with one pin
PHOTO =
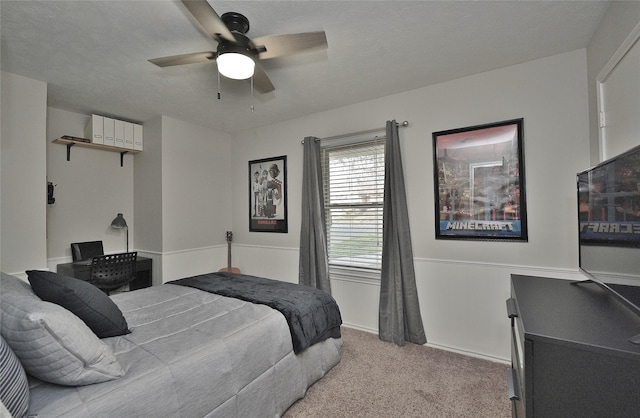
(353, 177)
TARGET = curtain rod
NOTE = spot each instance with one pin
(368, 131)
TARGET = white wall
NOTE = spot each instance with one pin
(147, 189)
(619, 100)
(621, 18)
(91, 189)
(196, 190)
(195, 170)
(463, 285)
(23, 174)
(203, 192)
(181, 196)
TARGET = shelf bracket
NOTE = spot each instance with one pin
(122, 158)
(512, 308)
(69, 151)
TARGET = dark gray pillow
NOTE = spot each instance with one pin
(83, 299)
(14, 387)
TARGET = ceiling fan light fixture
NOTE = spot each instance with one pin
(235, 65)
(230, 32)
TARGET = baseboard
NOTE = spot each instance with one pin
(470, 353)
(360, 328)
(440, 347)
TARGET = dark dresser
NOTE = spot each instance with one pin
(570, 350)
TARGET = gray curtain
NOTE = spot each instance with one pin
(399, 316)
(314, 264)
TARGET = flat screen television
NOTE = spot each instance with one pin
(609, 222)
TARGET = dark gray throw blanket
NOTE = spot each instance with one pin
(312, 314)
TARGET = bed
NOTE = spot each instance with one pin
(184, 352)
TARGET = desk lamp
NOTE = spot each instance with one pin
(120, 223)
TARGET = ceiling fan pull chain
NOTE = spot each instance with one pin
(218, 85)
(252, 108)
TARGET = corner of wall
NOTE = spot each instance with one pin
(23, 176)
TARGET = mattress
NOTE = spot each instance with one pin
(194, 354)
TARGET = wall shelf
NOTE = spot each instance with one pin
(71, 141)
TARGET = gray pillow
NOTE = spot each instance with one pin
(14, 386)
(54, 345)
(85, 300)
(11, 285)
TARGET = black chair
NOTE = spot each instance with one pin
(113, 271)
(86, 250)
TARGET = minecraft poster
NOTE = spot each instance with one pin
(479, 182)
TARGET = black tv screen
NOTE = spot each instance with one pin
(609, 219)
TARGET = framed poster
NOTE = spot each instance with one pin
(479, 182)
(268, 195)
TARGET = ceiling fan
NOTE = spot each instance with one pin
(238, 56)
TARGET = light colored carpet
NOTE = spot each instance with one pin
(379, 379)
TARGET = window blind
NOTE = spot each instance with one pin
(353, 178)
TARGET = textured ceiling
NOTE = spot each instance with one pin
(93, 54)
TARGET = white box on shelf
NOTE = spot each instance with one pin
(128, 135)
(119, 133)
(109, 131)
(137, 137)
(94, 130)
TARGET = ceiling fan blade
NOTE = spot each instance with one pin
(209, 19)
(261, 81)
(194, 58)
(280, 45)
